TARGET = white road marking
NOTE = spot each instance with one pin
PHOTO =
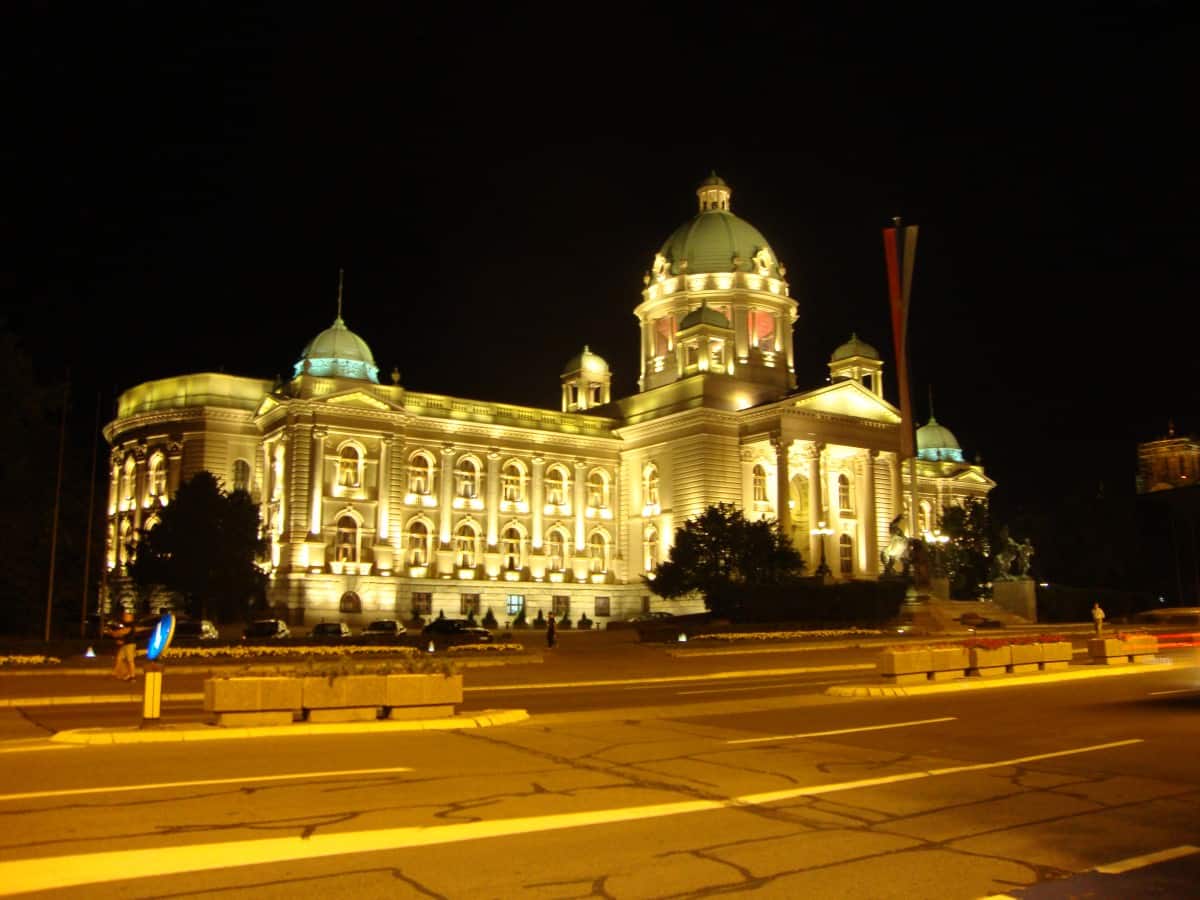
(46, 873)
(757, 687)
(1180, 691)
(206, 782)
(668, 679)
(34, 748)
(1146, 859)
(810, 734)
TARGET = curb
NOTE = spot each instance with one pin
(185, 733)
(977, 683)
(89, 699)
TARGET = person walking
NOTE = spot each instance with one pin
(1098, 617)
(123, 633)
(551, 633)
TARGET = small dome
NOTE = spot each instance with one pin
(936, 442)
(715, 240)
(587, 360)
(855, 347)
(338, 352)
(704, 315)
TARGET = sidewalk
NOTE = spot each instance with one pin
(160, 734)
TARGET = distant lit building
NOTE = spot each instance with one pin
(1168, 463)
(378, 500)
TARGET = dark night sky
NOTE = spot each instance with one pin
(495, 184)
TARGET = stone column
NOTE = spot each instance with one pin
(317, 489)
(446, 494)
(579, 501)
(815, 506)
(537, 503)
(383, 489)
(114, 483)
(866, 514)
(492, 495)
(897, 489)
(783, 512)
(139, 485)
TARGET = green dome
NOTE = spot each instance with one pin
(338, 352)
(936, 442)
(716, 240)
(854, 347)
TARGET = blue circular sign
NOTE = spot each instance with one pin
(160, 637)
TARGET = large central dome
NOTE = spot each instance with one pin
(716, 240)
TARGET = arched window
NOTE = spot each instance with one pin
(420, 475)
(512, 481)
(598, 552)
(466, 477)
(925, 514)
(241, 475)
(597, 489)
(346, 549)
(650, 485)
(510, 548)
(558, 482)
(158, 475)
(418, 544)
(651, 549)
(556, 545)
(277, 473)
(350, 603)
(846, 554)
(760, 484)
(464, 546)
(762, 330)
(845, 503)
(349, 467)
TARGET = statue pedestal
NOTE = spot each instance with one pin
(1017, 596)
(939, 587)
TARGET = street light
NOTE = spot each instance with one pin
(822, 530)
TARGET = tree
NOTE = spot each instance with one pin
(968, 554)
(206, 546)
(721, 552)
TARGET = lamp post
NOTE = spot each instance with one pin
(822, 530)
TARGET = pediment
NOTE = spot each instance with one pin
(359, 399)
(970, 476)
(849, 398)
(268, 403)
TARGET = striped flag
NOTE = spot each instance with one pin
(900, 251)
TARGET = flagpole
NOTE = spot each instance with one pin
(900, 247)
(62, 443)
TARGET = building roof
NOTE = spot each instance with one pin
(704, 315)
(587, 360)
(936, 442)
(715, 240)
(854, 347)
(338, 352)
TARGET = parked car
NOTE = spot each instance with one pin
(330, 631)
(195, 631)
(384, 628)
(650, 617)
(266, 629)
(455, 631)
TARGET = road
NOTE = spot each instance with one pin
(764, 787)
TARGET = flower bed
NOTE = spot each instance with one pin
(29, 660)
(241, 651)
(466, 649)
(732, 636)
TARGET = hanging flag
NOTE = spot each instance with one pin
(900, 252)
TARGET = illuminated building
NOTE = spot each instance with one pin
(380, 500)
(1168, 463)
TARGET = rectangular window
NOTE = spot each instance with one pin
(645, 603)
(603, 606)
(422, 603)
(514, 605)
(469, 605)
(562, 605)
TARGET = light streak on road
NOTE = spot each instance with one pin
(811, 734)
(47, 873)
